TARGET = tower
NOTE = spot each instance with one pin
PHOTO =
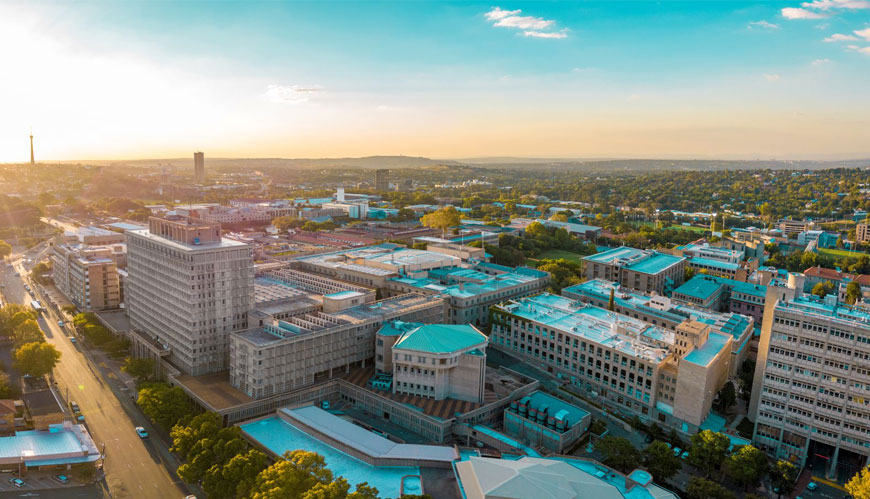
(199, 167)
(31, 148)
(382, 182)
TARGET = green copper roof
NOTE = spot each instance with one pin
(440, 338)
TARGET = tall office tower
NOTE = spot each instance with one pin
(31, 148)
(811, 392)
(199, 167)
(382, 182)
(188, 288)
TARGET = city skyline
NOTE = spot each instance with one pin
(740, 80)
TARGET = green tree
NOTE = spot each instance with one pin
(660, 460)
(563, 273)
(215, 451)
(746, 465)
(27, 332)
(701, 488)
(783, 475)
(200, 427)
(822, 289)
(859, 485)
(291, 477)
(141, 369)
(8, 390)
(443, 219)
(726, 397)
(619, 453)
(853, 292)
(236, 477)
(35, 359)
(165, 405)
(5, 249)
(746, 377)
(709, 450)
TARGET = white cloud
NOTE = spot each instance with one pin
(820, 62)
(772, 77)
(535, 27)
(860, 50)
(290, 94)
(837, 4)
(838, 37)
(762, 24)
(545, 34)
(798, 13)
(863, 33)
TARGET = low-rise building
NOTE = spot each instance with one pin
(669, 377)
(644, 270)
(300, 350)
(87, 275)
(437, 361)
(56, 447)
(544, 421)
(708, 252)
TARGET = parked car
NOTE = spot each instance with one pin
(677, 451)
(72, 340)
(60, 323)
(812, 486)
(141, 432)
(684, 455)
(17, 482)
(62, 478)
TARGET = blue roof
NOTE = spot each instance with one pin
(709, 350)
(58, 445)
(716, 264)
(700, 286)
(655, 264)
(440, 338)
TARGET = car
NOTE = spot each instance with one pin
(191, 496)
(60, 323)
(74, 406)
(17, 482)
(812, 486)
(141, 432)
(684, 455)
(72, 339)
(677, 451)
(62, 478)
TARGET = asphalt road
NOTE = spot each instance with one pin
(134, 467)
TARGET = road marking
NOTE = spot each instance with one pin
(829, 483)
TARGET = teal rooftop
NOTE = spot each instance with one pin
(441, 338)
(701, 287)
(714, 264)
(57, 446)
(708, 351)
(658, 262)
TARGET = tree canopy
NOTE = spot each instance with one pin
(35, 359)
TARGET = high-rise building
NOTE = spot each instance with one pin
(382, 181)
(188, 288)
(199, 167)
(811, 392)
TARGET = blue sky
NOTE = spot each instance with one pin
(441, 79)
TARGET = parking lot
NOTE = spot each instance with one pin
(37, 480)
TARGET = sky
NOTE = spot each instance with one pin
(615, 79)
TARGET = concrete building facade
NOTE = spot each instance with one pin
(87, 276)
(189, 289)
(644, 270)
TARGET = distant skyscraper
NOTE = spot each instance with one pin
(382, 183)
(31, 148)
(199, 167)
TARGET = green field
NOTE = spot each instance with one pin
(555, 254)
(690, 228)
(838, 253)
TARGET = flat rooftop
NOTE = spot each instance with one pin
(658, 262)
(700, 286)
(223, 243)
(573, 414)
(716, 264)
(58, 445)
(809, 305)
(624, 334)
(614, 255)
(214, 389)
(708, 351)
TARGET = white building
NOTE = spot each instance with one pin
(188, 288)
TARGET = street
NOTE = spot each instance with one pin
(133, 467)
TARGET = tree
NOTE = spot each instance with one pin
(746, 465)
(822, 289)
(701, 488)
(853, 293)
(442, 219)
(165, 405)
(783, 475)
(36, 359)
(5, 249)
(859, 485)
(726, 397)
(299, 472)
(200, 427)
(236, 478)
(563, 273)
(709, 450)
(7, 390)
(746, 377)
(619, 453)
(660, 460)
(69, 309)
(27, 332)
(141, 369)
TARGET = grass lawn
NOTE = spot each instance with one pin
(555, 254)
(838, 253)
